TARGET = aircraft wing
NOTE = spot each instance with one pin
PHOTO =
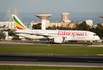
(40, 34)
(45, 35)
(37, 34)
(48, 35)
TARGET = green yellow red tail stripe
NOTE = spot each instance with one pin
(18, 24)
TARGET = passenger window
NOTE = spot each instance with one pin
(94, 35)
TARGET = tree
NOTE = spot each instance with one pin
(2, 35)
(37, 26)
(82, 26)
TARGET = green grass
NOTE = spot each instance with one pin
(3, 67)
(51, 49)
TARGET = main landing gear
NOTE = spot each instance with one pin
(50, 42)
(91, 42)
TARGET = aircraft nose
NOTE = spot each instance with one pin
(98, 37)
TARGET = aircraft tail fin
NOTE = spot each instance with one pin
(18, 23)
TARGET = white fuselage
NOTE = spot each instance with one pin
(50, 34)
(58, 36)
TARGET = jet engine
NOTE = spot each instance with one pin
(58, 39)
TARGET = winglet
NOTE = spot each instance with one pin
(18, 23)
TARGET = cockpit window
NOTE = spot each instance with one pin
(94, 35)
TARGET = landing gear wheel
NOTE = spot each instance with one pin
(90, 43)
(50, 42)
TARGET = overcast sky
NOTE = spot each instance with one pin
(53, 6)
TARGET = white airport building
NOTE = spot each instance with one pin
(89, 22)
(8, 24)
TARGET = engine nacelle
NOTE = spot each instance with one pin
(58, 39)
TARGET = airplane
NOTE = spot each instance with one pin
(57, 36)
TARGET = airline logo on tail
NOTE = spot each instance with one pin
(18, 23)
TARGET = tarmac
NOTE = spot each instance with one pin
(46, 43)
(55, 60)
